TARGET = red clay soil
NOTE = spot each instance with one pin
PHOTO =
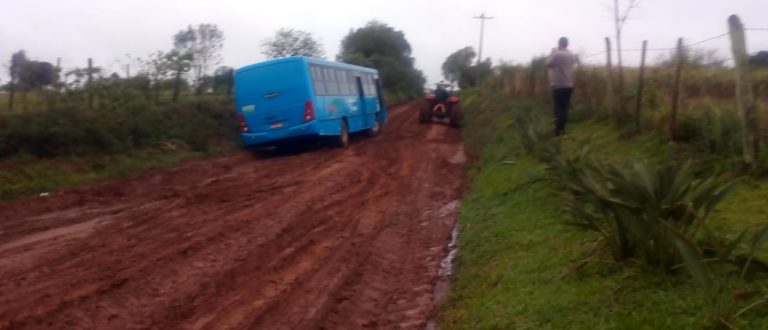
(324, 239)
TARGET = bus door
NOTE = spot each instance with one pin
(380, 99)
(361, 100)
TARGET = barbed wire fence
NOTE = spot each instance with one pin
(674, 49)
(678, 58)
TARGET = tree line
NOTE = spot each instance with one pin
(188, 66)
(376, 45)
(196, 50)
(87, 110)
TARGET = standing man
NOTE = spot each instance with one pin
(560, 65)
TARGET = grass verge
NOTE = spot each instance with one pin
(520, 267)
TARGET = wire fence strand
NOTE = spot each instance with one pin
(707, 40)
(665, 49)
(592, 55)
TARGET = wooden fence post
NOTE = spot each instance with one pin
(58, 74)
(90, 71)
(532, 79)
(640, 87)
(609, 79)
(90, 82)
(676, 89)
(230, 82)
(12, 84)
(745, 100)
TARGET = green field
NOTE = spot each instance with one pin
(521, 267)
(23, 175)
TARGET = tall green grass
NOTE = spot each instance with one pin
(62, 139)
(119, 120)
(706, 93)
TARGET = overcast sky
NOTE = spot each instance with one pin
(106, 30)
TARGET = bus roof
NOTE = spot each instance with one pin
(308, 60)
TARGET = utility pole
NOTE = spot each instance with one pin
(482, 19)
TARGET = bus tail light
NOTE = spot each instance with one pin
(309, 111)
(243, 125)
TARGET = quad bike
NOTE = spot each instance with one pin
(447, 108)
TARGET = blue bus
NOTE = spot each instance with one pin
(299, 97)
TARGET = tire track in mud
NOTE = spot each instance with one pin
(327, 238)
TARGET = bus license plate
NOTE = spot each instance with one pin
(277, 125)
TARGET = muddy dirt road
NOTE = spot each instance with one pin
(326, 239)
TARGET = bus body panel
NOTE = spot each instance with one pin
(272, 97)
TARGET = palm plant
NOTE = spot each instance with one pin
(534, 133)
(652, 213)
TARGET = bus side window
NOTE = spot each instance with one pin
(352, 83)
(317, 80)
(330, 82)
(371, 88)
(341, 77)
(368, 85)
(338, 79)
(374, 85)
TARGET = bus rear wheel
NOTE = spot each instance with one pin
(342, 141)
(376, 129)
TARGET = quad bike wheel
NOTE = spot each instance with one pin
(425, 115)
(456, 116)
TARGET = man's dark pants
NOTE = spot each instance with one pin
(562, 98)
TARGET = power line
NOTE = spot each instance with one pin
(755, 29)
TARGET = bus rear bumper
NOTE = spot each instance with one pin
(277, 135)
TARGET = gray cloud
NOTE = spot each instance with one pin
(106, 30)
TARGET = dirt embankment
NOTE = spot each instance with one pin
(333, 239)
